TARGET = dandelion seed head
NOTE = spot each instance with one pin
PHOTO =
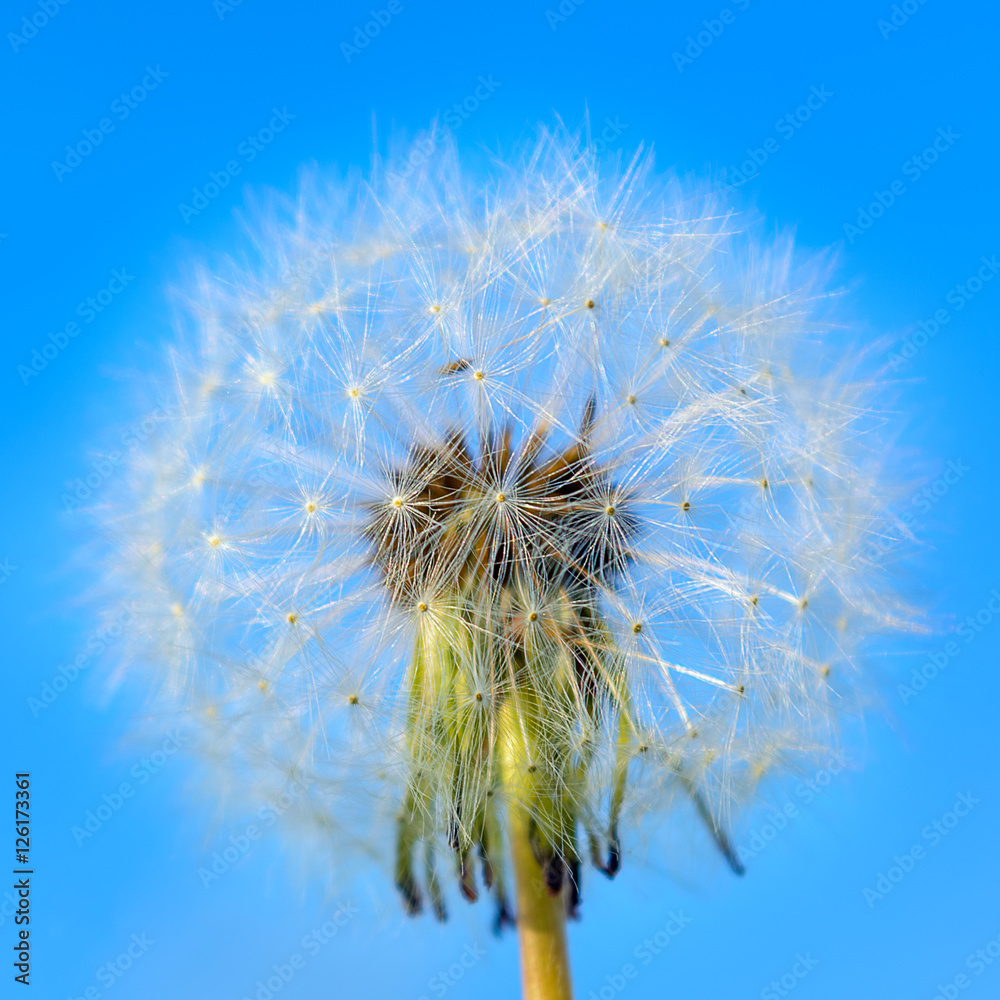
(494, 570)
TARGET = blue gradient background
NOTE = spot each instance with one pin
(119, 209)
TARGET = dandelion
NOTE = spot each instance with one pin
(502, 516)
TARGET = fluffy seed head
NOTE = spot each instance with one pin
(557, 476)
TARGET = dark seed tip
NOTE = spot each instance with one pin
(411, 900)
(503, 918)
(614, 859)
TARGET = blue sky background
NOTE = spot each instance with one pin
(225, 70)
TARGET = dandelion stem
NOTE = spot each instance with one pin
(541, 916)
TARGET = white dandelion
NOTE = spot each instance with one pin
(498, 513)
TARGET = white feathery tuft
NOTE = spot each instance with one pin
(690, 594)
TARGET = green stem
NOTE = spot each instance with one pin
(541, 916)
